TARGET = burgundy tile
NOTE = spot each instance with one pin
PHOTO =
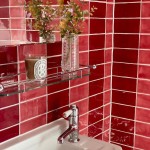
(58, 87)
(96, 41)
(106, 124)
(143, 100)
(96, 57)
(122, 124)
(107, 110)
(123, 55)
(84, 132)
(126, 25)
(54, 62)
(84, 58)
(32, 124)
(123, 97)
(107, 97)
(101, 9)
(32, 108)
(145, 9)
(145, 23)
(108, 40)
(108, 69)
(95, 115)
(95, 129)
(97, 26)
(143, 86)
(123, 84)
(83, 110)
(4, 3)
(127, 70)
(109, 12)
(17, 24)
(54, 48)
(83, 43)
(95, 101)
(143, 129)
(144, 57)
(85, 26)
(109, 25)
(144, 41)
(8, 100)
(98, 137)
(8, 54)
(56, 114)
(32, 94)
(121, 111)
(32, 36)
(79, 92)
(107, 83)
(97, 73)
(127, 10)
(17, 12)
(96, 87)
(144, 72)
(141, 142)
(106, 136)
(126, 0)
(9, 117)
(108, 55)
(5, 35)
(4, 12)
(55, 101)
(83, 122)
(4, 23)
(132, 41)
(9, 133)
(122, 138)
(143, 115)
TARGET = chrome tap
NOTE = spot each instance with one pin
(72, 131)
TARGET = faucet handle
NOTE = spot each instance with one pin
(67, 113)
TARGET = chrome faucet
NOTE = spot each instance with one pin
(73, 130)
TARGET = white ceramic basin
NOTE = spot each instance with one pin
(45, 138)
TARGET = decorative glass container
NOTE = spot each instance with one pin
(70, 53)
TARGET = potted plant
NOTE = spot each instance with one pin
(41, 16)
(72, 17)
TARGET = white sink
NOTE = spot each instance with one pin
(45, 138)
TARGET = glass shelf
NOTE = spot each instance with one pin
(10, 85)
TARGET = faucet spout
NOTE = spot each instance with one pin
(65, 134)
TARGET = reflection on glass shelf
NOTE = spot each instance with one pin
(10, 85)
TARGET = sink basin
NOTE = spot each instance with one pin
(45, 138)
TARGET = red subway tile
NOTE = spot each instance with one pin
(95, 129)
(144, 57)
(143, 129)
(122, 138)
(5, 35)
(143, 100)
(95, 115)
(98, 137)
(108, 40)
(107, 97)
(84, 58)
(144, 41)
(96, 57)
(4, 12)
(17, 12)
(109, 12)
(123, 111)
(126, 0)
(9, 133)
(107, 83)
(108, 69)
(32, 124)
(32, 36)
(17, 2)
(144, 86)
(4, 3)
(122, 124)
(84, 132)
(143, 72)
(58, 100)
(18, 35)
(108, 55)
(101, 9)
(4, 23)
(83, 122)
(143, 115)
(97, 26)
(123, 97)
(106, 124)
(96, 87)
(79, 92)
(83, 43)
(9, 117)
(107, 110)
(141, 142)
(123, 55)
(124, 84)
(126, 25)
(109, 25)
(145, 23)
(32, 108)
(95, 101)
(128, 70)
(96, 42)
(106, 136)
(17, 24)
(145, 9)
(97, 73)
(127, 10)
(126, 40)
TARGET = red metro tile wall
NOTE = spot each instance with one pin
(24, 112)
(130, 124)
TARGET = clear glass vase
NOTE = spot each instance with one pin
(70, 53)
